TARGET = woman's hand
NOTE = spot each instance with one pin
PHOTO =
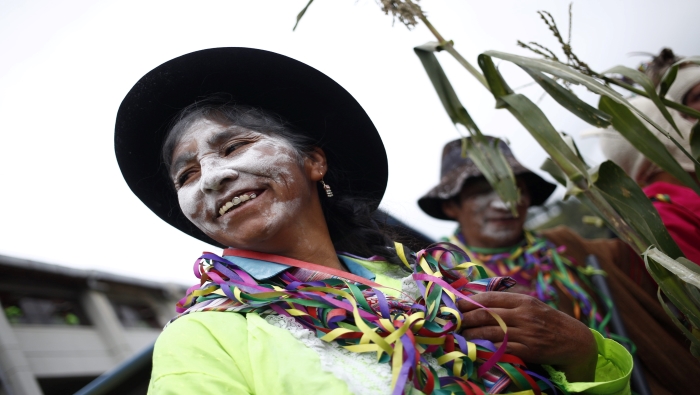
(537, 333)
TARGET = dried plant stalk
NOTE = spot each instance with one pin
(406, 11)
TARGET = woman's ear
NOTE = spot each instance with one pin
(315, 164)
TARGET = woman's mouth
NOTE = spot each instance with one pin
(237, 202)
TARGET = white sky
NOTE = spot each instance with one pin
(66, 65)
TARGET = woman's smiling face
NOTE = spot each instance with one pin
(243, 188)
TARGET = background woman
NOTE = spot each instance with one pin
(677, 204)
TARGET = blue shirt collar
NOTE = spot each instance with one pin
(263, 270)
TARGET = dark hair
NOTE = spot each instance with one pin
(659, 64)
(350, 219)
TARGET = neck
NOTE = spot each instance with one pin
(308, 240)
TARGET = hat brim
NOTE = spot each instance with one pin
(311, 101)
(431, 203)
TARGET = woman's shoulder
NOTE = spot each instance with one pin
(237, 353)
(194, 349)
(192, 333)
(203, 325)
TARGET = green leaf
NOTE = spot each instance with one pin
(558, 70)
(671, 285)
(682, 267)
(628, 199)
(486, 154)
(569, 140)
(667, 81)
(301, 14)
(645, 82)
(634, 130)
(497, 84)
(693, 291)
(575, 77)
(695, 341)
(534, 121)
(694, 141)
(443, 87)
(569, 100)
(487, 157)
(671, 74)
(550, 167)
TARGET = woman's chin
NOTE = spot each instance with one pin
(248, 235)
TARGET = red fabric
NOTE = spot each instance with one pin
(681, 216)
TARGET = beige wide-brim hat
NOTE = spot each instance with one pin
(457, 170)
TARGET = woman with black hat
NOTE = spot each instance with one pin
(274, 161)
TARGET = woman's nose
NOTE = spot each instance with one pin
(214, 176)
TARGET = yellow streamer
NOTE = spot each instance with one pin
(334, 334)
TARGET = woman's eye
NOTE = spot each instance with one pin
(230, 148)
(182, 179)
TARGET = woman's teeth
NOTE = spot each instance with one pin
(236, 201)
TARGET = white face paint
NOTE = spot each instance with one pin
(496, 220)
(229, 162)
(498, 204)
(485, 220)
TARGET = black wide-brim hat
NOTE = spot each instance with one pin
(457, 170)
(308, 99)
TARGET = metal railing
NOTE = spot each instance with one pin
(109, 381)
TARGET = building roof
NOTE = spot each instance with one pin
(92, 277)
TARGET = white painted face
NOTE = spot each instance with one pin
(485, 220)
(240, 187)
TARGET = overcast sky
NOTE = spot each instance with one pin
(66, 65)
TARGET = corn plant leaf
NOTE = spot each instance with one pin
(550, 167)
(671, 285)
(575, 77)
(486, 154)
(534, 121)
(569, 100)
(557, 70)
(692, 290)
(694, 141)
(301, 14)
(628, 199)
(695, 342)
(682, 267)
(667, 81)
(671, 74)
(634, 130)
(569, 140)
(443, 87)
(645, 82)
(487, 157)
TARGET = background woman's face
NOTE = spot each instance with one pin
(240, 187)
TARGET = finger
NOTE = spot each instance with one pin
(491, 333)
(492, 299)
(479, 317)
(494, 333)
(484, 317)
(465, 306)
